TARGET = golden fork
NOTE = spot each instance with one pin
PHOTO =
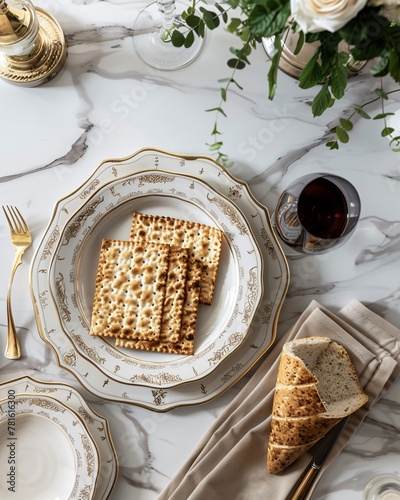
(21, 239)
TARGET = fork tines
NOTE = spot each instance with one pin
(15, 219)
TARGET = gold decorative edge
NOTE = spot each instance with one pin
(88, 442)
(148, 175)
(54, 386)
(283, 262)
(55, 53)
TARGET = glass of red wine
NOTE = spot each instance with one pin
(317, 213)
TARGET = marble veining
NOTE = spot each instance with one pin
(105, 104)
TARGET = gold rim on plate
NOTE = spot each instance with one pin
(96, 425)
(54, 449)
(262, 331)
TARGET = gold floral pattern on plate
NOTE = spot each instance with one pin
(67, 398)
(117, 179)
(238, 292)
(55, 440)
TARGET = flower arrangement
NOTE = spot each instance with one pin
(371, 29)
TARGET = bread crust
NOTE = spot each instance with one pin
(304, 409)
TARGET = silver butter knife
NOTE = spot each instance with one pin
(319, 452)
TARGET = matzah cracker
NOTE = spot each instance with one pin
(175, 295)
(130, 290)
(203, 241)
(185, 345)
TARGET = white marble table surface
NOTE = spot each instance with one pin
(106, 103)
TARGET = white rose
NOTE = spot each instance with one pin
(320, 15)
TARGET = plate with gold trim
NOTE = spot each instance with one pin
(260, 333)
(46, 450)
(107, 213)
(97, 425)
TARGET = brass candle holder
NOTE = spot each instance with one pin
(32, 44)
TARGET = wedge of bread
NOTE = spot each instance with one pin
(316, 387)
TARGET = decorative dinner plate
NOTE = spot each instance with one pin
(97, 425)
(261, 333)
(107, 213)
(46, 451)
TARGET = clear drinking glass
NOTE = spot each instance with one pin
(383, 487)
(152, 34)
(317, 212)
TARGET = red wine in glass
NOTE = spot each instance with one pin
(317, 212)
(322, 209)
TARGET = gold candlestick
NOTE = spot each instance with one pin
(32, 44)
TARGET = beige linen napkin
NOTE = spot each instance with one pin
(230, 461)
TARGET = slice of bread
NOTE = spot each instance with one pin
(316, 387)
(204, 243)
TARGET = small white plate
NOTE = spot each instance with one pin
(97, 425)
(46, 451)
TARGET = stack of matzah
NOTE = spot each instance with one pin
(148, 289)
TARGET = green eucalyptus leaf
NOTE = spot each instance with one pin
(381, 68)
(395, 140)
(245, 35)
(177, 39)
(321, 101)
(394, 65)
(338, 80)
(215, 131)
(241, 53)
(218, 109)
(311, 74)
(273, 70)
(210, 18)
(381, 93)
(333, 145)
(380, 116)
(216, 146)
(234, 24)
(189, 40)
(236, 63)
(387, 131)
(343, 136)
(269, 19)
(201, 29)
(193, 21)
(343, 58)
(223, 12)
(359, 110)
(346, 123)
(300, 43)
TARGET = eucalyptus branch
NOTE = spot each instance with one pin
(346, 124)
(236, 63)
(196, 21)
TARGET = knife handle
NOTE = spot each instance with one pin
(305, 484)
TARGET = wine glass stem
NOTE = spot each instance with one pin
(167, 11)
